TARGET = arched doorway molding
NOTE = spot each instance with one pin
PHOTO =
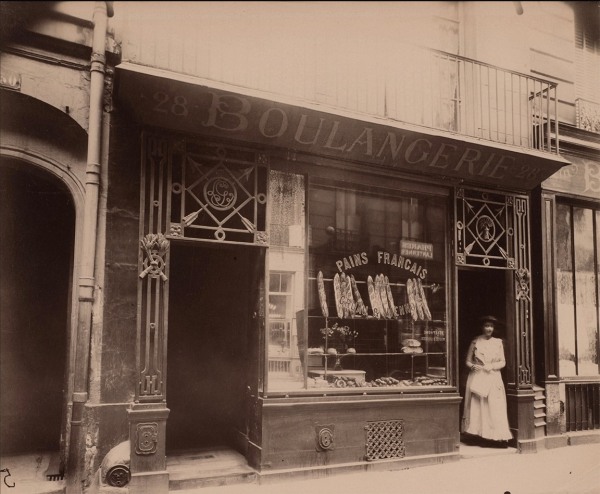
(31, 160)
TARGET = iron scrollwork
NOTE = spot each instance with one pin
(218, 194)
(484, 231)
(523, 279)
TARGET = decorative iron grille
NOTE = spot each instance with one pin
(492, 231)
(191, 190)
(384, 440)
(218, 193)
(484, 229)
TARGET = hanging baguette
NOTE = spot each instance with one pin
(322, 297)
(388, 290)
(411, 299)
(418, 300)
(338, 295)
(385, 305)
(349, 306)
(360, 305)
(425, 305)
(372, 298)
(378, 300)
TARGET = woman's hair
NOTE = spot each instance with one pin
(491, 319)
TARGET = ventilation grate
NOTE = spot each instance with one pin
(582, 406)
(384, 440)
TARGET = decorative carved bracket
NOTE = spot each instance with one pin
(155, 246)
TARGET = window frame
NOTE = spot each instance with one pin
(571, 203)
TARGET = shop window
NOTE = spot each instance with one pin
(286, 280)
(281, 337)
(375, 316)
(578, 286)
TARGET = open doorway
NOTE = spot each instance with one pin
(481, 292)
(37, 231)
(211, 301)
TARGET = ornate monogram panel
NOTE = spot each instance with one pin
(484, 229)
(325, 437)
(218, 193)
(146, 438)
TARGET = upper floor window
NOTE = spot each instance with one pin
(587, 46)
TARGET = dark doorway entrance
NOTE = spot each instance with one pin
(211, 301)
(37, 231)
(481, 292)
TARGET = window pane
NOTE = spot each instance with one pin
(286, 222)
(274, 282)
(597, 240)
(279, 306)
(286, 281)
(586, 311)
(566, 301)
(377, 289)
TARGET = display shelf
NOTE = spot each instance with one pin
(403, 324)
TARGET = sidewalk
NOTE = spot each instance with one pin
(566, 470)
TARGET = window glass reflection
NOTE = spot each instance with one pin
(585, 280)
(577, 290)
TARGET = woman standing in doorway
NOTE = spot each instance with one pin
(485, 413)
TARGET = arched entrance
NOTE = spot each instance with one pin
(37, 231)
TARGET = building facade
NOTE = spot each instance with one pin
(275, 227)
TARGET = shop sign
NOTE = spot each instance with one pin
(435, 335)
(189, 107)
(582, 177)
(417, 250)
(380, 293)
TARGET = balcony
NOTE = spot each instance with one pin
(479, 100)
(407, 108)
(452, 93)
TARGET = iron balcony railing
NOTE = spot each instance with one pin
(457, 94)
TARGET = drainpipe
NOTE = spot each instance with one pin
(76, 457)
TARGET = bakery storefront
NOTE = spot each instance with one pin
(319, 277)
